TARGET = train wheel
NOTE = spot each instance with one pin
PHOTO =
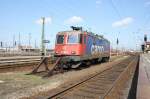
(94, 61)
(88, 63)
(99, 60)
(76, 65)
(105, 59)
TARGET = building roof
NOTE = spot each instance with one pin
(147, 43)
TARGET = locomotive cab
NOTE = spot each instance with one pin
(69, 44)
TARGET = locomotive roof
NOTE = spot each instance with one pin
(81, 32)
(70, 32)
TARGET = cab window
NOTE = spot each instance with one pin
(84, 39)
(60, 39)
(73, 38)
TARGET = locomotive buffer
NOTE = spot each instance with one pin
(44, 61)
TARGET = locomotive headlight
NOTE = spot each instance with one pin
(64, 52)
(73, 52)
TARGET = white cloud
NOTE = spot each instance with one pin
(122, 23)
(47, 20)
(147, 3)
(98, 2)
(74, 20)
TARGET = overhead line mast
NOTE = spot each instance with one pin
(43, 37)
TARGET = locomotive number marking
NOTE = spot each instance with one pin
(95, 49)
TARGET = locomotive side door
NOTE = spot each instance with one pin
(84, 43)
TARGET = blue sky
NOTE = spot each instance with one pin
(128, 20)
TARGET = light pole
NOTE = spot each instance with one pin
(43, 37)
(19, 40)
(35, 44)
(29, 39)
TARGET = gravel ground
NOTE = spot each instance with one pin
(15, 85)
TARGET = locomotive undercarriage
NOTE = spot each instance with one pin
(68, 62)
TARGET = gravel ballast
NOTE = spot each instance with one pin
(15, 85)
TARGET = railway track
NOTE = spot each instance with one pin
(102, 85)
(6, 63)
(13, 63)
(19, 63)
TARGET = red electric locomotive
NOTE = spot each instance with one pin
(78, 46)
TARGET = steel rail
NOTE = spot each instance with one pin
(115, 71)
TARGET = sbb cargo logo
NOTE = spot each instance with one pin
(95, 49)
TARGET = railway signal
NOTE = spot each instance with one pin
(1, 44)
(145, 38)
(143, 48)
(15, 43)
(117, 46)
(117, 41)
(46, 41)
